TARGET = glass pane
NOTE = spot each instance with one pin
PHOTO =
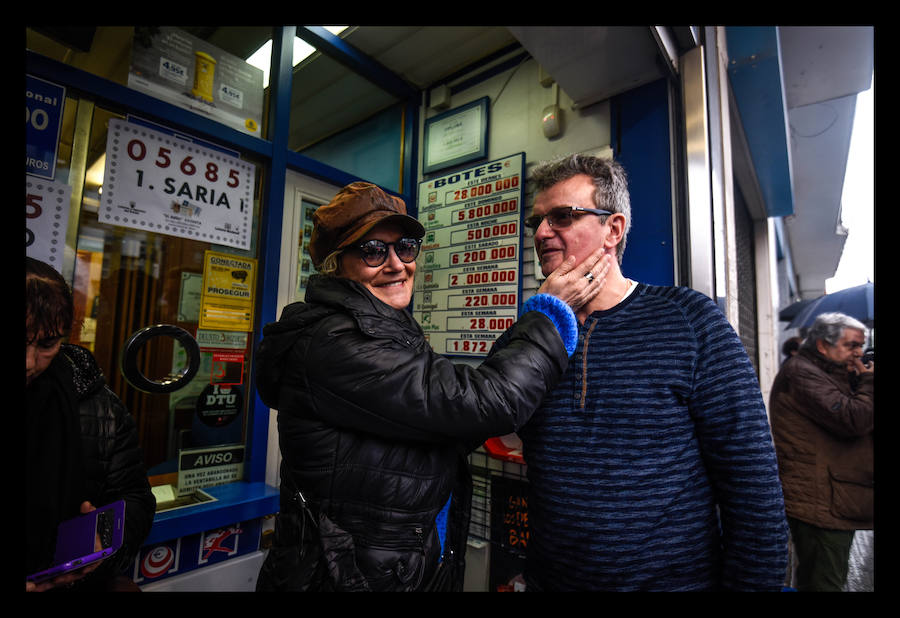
(104, 51)
(201, 68)
(342, 119)
(126, 279)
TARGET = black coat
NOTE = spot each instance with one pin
(113, 460)
(374, 428)
(112, 465)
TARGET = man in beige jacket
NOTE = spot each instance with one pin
(823, 419)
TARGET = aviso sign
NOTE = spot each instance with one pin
(468, 284)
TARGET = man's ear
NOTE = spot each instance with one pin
(616, 223)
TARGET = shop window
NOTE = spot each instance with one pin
(125, 279)
(341, 118)
(200, 68)
(338, 117)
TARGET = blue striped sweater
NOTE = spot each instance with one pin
(651, 464)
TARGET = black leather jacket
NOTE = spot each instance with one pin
(374, 427)
(113, 462)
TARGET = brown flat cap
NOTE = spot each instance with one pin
(355, 210)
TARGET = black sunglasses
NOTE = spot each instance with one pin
(561, 217)
(375, 252)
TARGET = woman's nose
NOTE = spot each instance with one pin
(393, 260)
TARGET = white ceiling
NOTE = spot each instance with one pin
(594, 63)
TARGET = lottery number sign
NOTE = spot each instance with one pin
(46, 219)
(160, 183)
(468, 287)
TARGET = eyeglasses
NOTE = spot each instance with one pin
(375, 252)
(561, 217)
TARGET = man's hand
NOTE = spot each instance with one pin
(570, 282)
(856, 366)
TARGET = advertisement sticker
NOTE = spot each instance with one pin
(44, 103)
(186, 71)
(227, 295)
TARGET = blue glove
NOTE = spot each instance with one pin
(560, 314)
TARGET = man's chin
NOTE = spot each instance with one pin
(550, 263)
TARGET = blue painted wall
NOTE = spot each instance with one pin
(640, 142)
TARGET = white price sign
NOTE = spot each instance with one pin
(161, 183)
(468, 288)
(46, 219)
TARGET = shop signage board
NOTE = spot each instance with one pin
(468, 276)
(186, 71)
(163, 183)
(46, 219)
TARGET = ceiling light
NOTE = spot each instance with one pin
(262, 57)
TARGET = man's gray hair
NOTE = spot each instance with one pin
(829, 327)
(610, 184)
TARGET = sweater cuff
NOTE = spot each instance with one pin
(560, 314)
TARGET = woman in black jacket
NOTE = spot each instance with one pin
(81, 443)
(374, 426)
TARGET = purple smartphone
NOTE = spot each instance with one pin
(75, 540)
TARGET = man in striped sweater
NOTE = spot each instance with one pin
(651, 464)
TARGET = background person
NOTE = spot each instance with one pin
(650, 464)
(823, 423)
(374, 426)
(81, 443)
(791, 347)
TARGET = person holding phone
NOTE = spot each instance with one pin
(81, 443)
(823, 423)
(374, 426)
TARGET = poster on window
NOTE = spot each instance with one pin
(468, 284)
(46, 219)
(179, 68)
(159, 182)
(44, 103)
(227, 298)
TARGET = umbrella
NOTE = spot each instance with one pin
(790, 312)
(857, 302)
